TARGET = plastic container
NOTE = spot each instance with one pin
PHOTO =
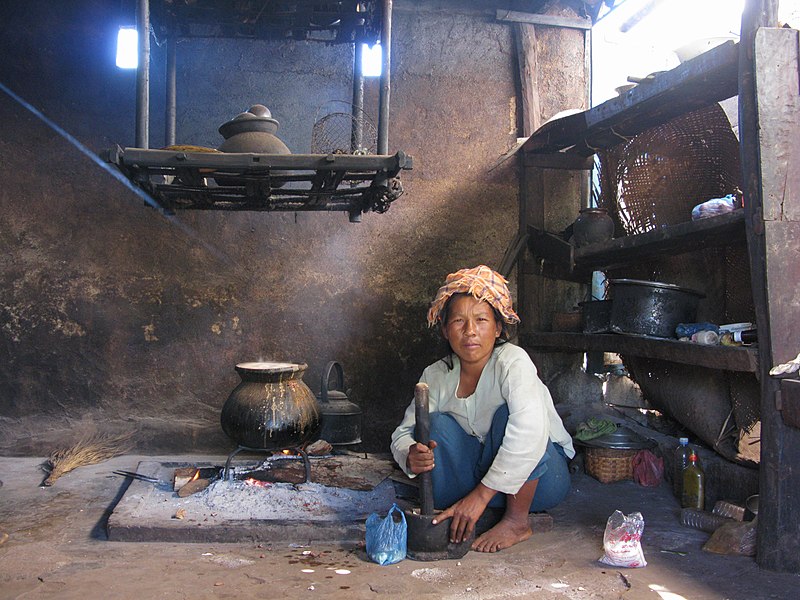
(682, 453)
(693, 484)
(706, 338)
(703, 520)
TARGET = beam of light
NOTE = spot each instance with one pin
(127, 48)
(664, 593)
(371, 60)
(116, 174)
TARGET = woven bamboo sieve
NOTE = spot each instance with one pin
(610, 464)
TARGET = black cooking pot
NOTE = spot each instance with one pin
(650, 308)
(272, 408)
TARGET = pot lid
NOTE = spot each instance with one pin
(655, 284)
(622, 439)
(253, 115)
(271, 367)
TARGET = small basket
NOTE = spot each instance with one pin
(610, 464)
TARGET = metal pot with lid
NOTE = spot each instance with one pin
(341, 418)
(651, 308)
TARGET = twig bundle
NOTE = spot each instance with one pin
(88, 450)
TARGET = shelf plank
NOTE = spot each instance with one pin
(721, 230)
(561, 260)
(710, 77)
(728, 358)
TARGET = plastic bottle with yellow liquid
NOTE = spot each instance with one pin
(693, 484)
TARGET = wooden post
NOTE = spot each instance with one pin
(769, 126)
(170, 112)
(143, 74)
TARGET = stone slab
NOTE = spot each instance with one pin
(303, 513)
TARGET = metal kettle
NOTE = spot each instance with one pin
(341, 419)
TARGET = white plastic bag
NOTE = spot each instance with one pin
(714, 207)
(622, 540)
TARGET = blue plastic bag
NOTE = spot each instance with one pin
(387, 537)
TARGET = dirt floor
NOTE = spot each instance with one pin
(53, 544)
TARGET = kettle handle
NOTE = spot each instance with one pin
(323, 388)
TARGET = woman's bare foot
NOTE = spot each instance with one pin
(503, 535)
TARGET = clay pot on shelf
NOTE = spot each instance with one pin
(592, 226)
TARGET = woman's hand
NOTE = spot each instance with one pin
(420, 457)
(466, 512)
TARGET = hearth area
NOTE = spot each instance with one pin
(257, 501)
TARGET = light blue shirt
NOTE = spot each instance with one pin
(510, 377)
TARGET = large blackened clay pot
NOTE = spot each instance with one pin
(252, 131)
(272, 408)
(592, 226)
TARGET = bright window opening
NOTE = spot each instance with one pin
(127, 48)
(639, 38)
(371, 60)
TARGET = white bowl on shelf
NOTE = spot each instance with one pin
(699, 46)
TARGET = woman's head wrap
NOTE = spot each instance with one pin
(481, 282)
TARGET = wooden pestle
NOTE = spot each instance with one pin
(422, 434)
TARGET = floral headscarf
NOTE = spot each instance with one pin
(481, 282)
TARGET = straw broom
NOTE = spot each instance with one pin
(89, 450)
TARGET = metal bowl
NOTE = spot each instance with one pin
(622, 439)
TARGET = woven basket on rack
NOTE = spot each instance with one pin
(610, 464)
(335, 131)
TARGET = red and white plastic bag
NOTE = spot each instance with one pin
(622, 540)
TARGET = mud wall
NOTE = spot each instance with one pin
(116, 317)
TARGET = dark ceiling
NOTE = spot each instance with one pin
(345, 21)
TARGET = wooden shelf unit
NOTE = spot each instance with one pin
(569, 142)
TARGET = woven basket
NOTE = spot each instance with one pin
(610, 464)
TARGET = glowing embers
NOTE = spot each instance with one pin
(286, 466)
(257, 482)
(191, 480)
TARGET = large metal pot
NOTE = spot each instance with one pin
(650, 308)
(341, 419)
(272, 408)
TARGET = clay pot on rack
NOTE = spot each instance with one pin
(592, 226)
(252, 131)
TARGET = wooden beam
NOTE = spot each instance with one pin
(547, 20)
(636, 17)
(525, 40)
(559, 160)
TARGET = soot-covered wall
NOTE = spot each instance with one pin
(115, 317)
